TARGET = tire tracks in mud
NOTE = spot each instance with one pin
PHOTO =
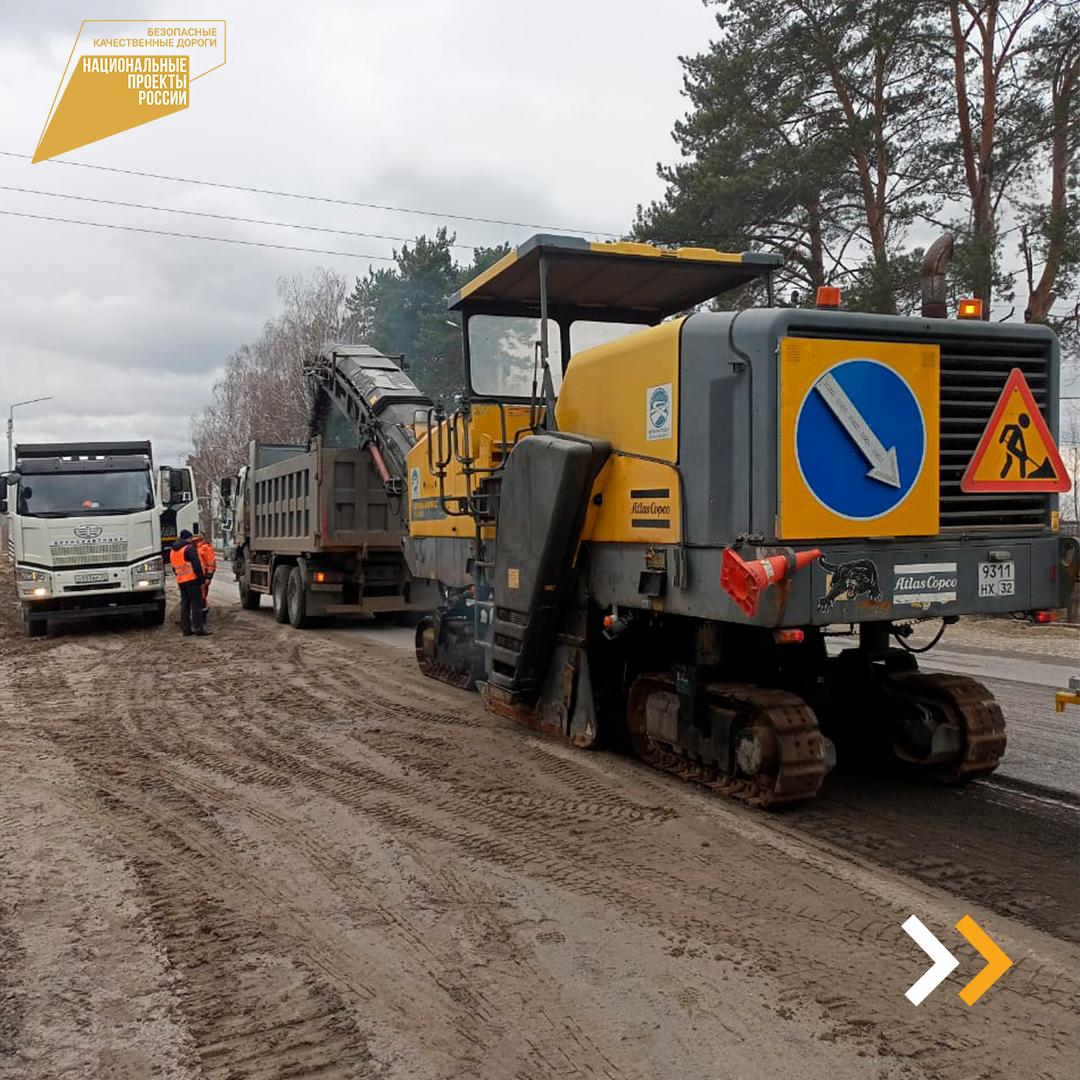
(252, 1010)
(199, 891)
(286, 970)
(479, 829)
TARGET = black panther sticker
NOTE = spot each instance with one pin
(849, 581)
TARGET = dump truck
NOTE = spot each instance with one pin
(84, 532)
(318, 526)
(644, 517)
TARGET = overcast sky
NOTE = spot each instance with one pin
(553, 113)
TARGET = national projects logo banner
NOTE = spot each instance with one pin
(125, 72)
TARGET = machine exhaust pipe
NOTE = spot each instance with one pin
(932, 277)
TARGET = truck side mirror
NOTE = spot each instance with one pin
(172, 483)
(225, 487)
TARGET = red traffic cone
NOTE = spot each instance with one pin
(744, 581)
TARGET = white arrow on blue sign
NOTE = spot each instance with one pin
(860, 439)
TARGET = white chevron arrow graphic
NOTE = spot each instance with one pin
(944, 961)
(883, 464)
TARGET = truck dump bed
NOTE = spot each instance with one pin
(305, 501)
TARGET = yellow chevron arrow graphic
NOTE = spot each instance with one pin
(997, 963)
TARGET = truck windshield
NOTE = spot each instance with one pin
(85, 494)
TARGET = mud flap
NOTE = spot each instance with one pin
(565, 706)
(542, 505)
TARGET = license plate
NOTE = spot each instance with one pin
(997, 579)
(90, 579)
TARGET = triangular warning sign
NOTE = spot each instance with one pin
(1016, 452)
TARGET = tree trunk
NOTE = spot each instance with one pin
(1064, 88)
(817, 245)
(977, 152)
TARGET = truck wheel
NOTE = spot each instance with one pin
(298, 615)
(249, 598)
(279, 593)
(155, 617)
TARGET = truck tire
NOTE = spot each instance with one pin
(249, 599)
(279, 593)
(155, 617)
(297, 595)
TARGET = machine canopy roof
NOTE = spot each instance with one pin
(594, 280)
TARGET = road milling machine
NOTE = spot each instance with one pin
(646, 521)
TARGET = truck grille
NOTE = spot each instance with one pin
(973, 373)
(84, 552)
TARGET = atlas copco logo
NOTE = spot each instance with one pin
(930, 581)
(87, 531)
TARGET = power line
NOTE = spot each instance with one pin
(195, 236)
(218, 217)
(314, 198)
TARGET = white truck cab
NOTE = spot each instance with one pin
(84, 525)
(179, 503)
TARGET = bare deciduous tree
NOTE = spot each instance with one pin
(262, 393)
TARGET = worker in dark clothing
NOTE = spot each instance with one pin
(189, 576)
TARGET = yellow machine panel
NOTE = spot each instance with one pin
(484, 440)
(859, 436)
(634, 501)
(627, 392)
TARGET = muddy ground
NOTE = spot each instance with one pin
(276, 854)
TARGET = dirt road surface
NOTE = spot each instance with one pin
(279, 854)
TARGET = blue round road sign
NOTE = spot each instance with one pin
(860, 439)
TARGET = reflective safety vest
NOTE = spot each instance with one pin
(207, 555)
(184, 571)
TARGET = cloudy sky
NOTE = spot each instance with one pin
(553, 113)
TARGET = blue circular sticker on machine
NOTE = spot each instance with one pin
(860, 439)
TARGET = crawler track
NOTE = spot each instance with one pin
(968, 704)
(431, 669)
(800, 748)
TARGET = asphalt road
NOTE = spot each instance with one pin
(1044, 746)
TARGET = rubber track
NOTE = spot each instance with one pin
(973, 708)
(801, 746)
(433, 670)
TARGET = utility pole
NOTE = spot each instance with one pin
(11, 426)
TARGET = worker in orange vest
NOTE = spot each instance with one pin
(187, 567)
(208, 560)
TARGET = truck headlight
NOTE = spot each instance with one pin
(147, 574)
(31, 582)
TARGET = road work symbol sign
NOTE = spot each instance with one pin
(1016, 451)
(859, 438)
